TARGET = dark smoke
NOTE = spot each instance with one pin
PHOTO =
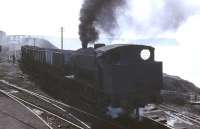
(96, 16)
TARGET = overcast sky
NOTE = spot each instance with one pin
(45, 17)
(40, 17)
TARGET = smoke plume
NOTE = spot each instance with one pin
(143, 18)
(150, 18)
(96, 16)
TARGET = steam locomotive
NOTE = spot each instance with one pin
(127, 74)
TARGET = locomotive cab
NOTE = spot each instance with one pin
(129, 74)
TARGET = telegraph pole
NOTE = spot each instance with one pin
(34, 42)
(61, 38)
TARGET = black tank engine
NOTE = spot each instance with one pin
(127, 74)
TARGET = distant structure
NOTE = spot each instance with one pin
(38, 42)
(20, 40)
(2, 37)
(14, 39)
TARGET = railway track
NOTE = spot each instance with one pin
(59, 110)
(194, 119)
(47, 109)
(56, 114)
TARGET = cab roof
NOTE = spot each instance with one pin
(114, 46)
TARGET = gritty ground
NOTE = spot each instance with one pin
(15, 116)
(12, 114)
(13, 74)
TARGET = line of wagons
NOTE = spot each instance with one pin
(59, 59)
(127, 73)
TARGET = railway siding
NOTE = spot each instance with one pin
(170, 118)
(34, 101)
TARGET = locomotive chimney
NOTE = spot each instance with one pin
(84, 45)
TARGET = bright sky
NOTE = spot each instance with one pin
(45, 17)
(40, 17)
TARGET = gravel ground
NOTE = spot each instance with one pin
(13, 74)
(15, 116)
(12, 114)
